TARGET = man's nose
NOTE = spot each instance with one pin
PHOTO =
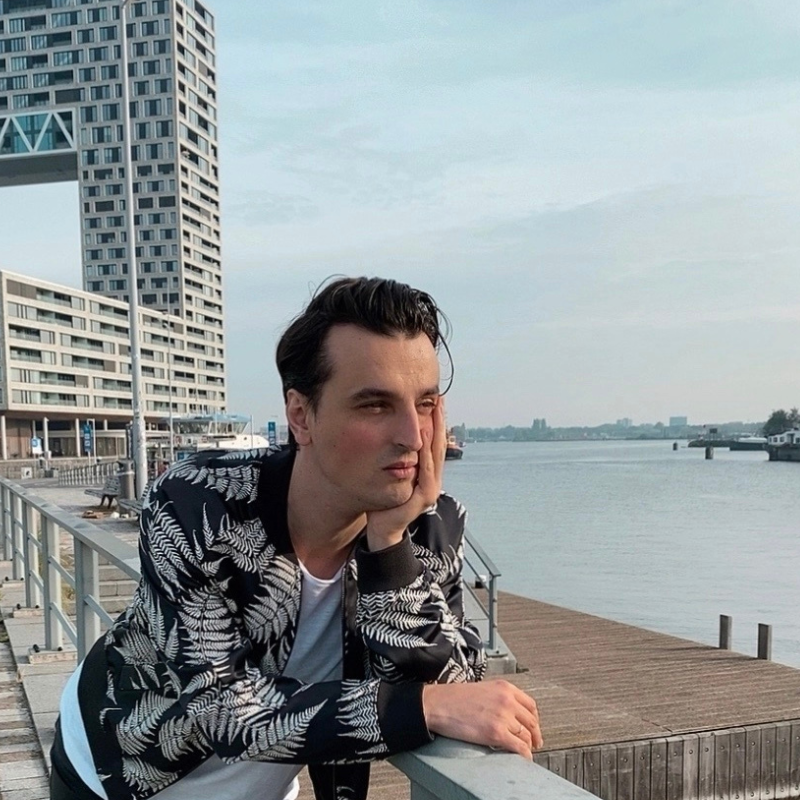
(409, 430)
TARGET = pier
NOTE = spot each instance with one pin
(627, 714)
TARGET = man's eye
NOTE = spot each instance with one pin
(427, 406)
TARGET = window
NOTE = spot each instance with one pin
(113, 189)
(119, 285)
(109, 73)
(86, 36)
(107, 269)
(98, 53)
(151, 67)
(108, 33)
(152, 108)
(101, 134)
(150, 28)
(142, 130)
(64, 57)
(101, 92)
(112, 155)
(164, 128)
(140, 49)
(110, 112)
(89, 157)
(104, 205)
(97, 14)
(87, 74)
(96, 286)
(91, 191)
(65, 19)
(162, 85)
(160, 47)
(141, 87)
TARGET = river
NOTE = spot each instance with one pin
(638, 533)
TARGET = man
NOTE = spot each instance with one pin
(302, 606)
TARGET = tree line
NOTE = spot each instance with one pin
(781, 421)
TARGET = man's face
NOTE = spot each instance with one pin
(366, 432)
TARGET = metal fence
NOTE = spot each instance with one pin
(89, 475)
(40, 540)
(484, 576)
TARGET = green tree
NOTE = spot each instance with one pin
(780, 421)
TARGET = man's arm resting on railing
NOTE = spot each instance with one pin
(492, 713)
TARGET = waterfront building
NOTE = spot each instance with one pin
(61, 119)
(65, 360)
(678, 422)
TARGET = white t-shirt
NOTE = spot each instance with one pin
(316, 657)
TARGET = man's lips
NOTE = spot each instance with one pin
(402, 469)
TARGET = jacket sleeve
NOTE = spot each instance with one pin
(206, 692)
(410, 603)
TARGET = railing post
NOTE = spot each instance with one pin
(53, 635)
(725, 632)
(493, 613)
(30, 529)
(765, 642)
(17, 538)
(7, 540)
(87, 584)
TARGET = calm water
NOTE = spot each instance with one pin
(635, 532)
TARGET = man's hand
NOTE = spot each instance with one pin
(385, 528)
(493, 713)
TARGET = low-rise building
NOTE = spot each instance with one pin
(65, 362)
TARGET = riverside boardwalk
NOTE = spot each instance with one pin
(627, 714)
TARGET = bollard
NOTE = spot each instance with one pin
(674, 447)
(725, 632)
(709, 453)
(765, 642)
(126, 481)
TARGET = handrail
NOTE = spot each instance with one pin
(31, 541)
(88, 475)
(485, 567)
(453, 770)
(30, 533)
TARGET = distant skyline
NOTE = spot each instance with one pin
(603, 196)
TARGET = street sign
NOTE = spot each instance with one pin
(87, 439)
(36, 445)
(272, 433)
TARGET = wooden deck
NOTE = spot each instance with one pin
(630, 714)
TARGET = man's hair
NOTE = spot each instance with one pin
(377, 305)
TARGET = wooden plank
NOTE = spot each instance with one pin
(705, 766)
(675, 769)
(641, 772)
(625, 767)
(557, 763)
(658, 770)
(722, 766)
(608, 772)
(752, 766)
(542, 759)
(783, 759)
(794, 774)
(574, 766)
(768, 764)
(738, 757)
(591, 770)
(690, 766)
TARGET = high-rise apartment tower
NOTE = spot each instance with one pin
(61, 119)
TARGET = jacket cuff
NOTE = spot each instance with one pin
(386, 570)
(401, 717)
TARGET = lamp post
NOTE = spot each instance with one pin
(138, 436)
(168, 328)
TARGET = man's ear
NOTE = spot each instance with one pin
(298, 416)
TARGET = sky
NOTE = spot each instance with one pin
(602, 195)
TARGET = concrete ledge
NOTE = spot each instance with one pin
(452, 770)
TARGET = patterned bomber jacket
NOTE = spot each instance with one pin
(194, 666)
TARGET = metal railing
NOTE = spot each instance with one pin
(447, 769)
(35, 537)
(89, 475)
(484, 576)
(32, 533)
